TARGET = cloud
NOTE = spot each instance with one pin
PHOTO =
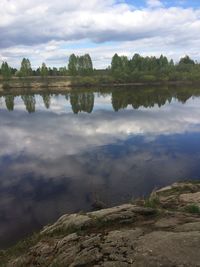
(44, 30)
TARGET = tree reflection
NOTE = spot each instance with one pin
(9, 101)
(82, 102)
(67, 96)
(29, 101)
(47, 100)
(148, 98)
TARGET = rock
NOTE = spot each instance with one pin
(178, 195)
(190, 198)
(87, 257)
(126, 235)
(169, 249)
(122, 212)
(92, 241)
(115, 264)
(164, 189)
(68, 223)
(74, 222)
(167, 222)
(188, 227)
(119, 245)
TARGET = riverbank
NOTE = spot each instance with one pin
(66, 83)
(36, 85)
(163, 230)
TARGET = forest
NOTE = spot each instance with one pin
(121, 70)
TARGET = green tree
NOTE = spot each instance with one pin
(116, 65)
(63, 71)
(73, 65)
(6, 71)
(136, 62)
(87, 66)
(25, 69)
(186, 64)
(44, 71)
(186, 60)
(80, 65)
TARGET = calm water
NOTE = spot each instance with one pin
(61, 153)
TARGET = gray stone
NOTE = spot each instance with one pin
(115, 264)
(68, 222)
(87, 257)
(193, 226)
(190, 197)
(169, 248)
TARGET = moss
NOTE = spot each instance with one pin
(193, 208)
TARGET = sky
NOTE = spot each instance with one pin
(49, 31)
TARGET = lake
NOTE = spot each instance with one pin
(62, 153)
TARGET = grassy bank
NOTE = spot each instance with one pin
(65, 83)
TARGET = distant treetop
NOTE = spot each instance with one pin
(5, 71)
(25, 69)
(80, 65)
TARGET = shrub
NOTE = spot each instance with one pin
(152, 202)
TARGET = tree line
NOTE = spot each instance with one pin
(140, 68)
(122, 69)
(78, 65)
(83, 101)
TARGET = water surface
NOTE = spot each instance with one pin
(61, 153)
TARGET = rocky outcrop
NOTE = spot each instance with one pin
(159, 231)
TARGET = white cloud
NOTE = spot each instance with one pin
(50, 31)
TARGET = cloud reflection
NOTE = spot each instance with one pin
(53, 161)
(66, 134)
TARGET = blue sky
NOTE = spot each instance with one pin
(49, 31)
(167, 3)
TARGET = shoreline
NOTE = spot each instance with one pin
(159, 230)
(65, 84)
